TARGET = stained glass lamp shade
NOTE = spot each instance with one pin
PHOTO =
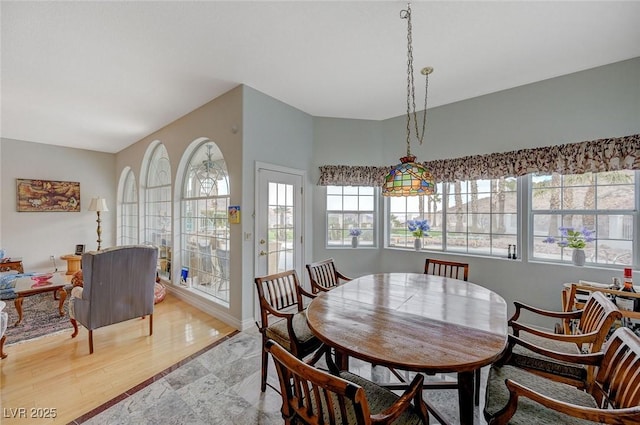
(408, 179)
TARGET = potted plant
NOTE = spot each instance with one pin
(418, 229)
(575, 239)
(354, 232)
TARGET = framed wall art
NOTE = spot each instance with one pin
(47, 196)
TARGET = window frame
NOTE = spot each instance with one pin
(346, 239)
(596, 212)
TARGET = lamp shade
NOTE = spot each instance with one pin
(98, 204)
(409, 179)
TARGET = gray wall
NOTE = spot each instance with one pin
(598, 103)
(35, 236)
(219, 120)
(281, 135)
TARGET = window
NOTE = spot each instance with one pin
(204, 222)
(604, 202)
(129, 211)
(350, 207)
(474, 216)
(481, 216)
(158, 208)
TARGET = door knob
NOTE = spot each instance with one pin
(263, 253)
(262, 242)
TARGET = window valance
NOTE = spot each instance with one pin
(620, 153)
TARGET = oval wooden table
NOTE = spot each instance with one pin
(415, 322)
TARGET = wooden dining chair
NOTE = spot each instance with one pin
(316, 397)
(324, 276)
(283, 318)
(592, 325)
(516, 396)
(447, 268)
(459, 271)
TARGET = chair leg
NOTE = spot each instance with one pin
(90, 342)
(151, 324)
(477, 387)
(265, 360)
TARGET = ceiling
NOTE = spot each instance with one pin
(103, 75)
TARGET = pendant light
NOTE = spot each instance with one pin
(410, 178)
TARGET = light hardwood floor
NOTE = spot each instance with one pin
(57, 372)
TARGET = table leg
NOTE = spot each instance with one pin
(18, 304)
(465, 397)
(342, 360)
(62, 294)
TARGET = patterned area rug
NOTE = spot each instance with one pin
(40, 317)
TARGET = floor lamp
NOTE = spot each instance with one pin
(98, 205)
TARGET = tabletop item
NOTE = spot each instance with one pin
(416, 322)
(41, 279)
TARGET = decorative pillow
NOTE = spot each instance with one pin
(159, 292)
(77, 279)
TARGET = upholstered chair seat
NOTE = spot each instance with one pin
(499, 396)
(380, 399)
(279, 332)
(527, 359)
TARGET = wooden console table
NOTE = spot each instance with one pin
(74, 262)
(12, 264)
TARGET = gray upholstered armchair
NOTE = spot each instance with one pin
(118, 285)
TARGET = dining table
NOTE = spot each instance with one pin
(415, 322)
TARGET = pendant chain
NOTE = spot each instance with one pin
(411, 90)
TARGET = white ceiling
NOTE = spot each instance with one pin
(102, 75)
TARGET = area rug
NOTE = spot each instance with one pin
(40, 317)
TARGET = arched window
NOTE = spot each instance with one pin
(204, 222)
(129, 210)
(158, 208)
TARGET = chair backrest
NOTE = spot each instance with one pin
(599, 314)
(323, 275)
(451, 269)
(278, 292)
(119, 284)
(617, 381)
(313, 396)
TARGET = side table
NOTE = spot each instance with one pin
(73, 262)
(12, 264)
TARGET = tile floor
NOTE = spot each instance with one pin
(222, 387)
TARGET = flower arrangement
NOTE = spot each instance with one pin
(418, 228)
(572, 238)
(354, 231)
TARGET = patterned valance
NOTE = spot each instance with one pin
(620, 153)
